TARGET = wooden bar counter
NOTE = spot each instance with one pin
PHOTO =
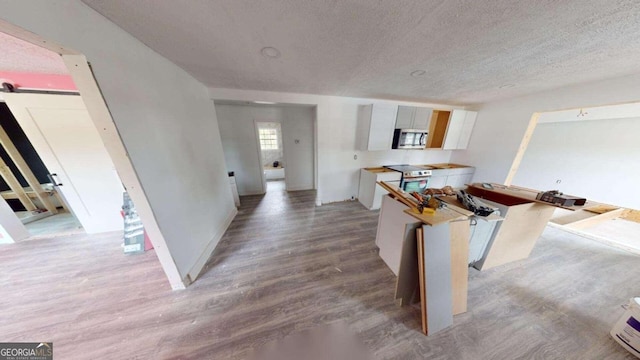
(525, 218)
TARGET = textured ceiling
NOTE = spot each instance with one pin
(367, 48)
(21, 56)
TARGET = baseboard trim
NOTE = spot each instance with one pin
(197, 268)
(299, 188)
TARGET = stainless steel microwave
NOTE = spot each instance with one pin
(409, 139)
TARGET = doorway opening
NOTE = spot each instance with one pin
(268, 147)
(45, 125)
(57, 176)
(35, 210)
(271, 155)
(81, 173)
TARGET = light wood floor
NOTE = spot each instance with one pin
(620, 231)
(63, 223)
(285, 266)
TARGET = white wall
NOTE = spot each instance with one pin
(597, 159)
(337, 170)
(165, 118)
(240, 144)
(501, 125)
(297, 136)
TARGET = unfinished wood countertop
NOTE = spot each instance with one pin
(378, 169)
(449, 166)
(441, 216)
(515, 195)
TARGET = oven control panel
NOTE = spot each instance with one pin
(416, 173)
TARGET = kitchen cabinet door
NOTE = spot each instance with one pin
(461, 124)
(437, 182)
(422, 117)
(467, 127)
(456, 122)
(404, 120)
(376, 123)
(370, 193)
(411, 117)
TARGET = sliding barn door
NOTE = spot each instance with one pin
(65, 137)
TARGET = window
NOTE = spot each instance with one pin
(268, 139)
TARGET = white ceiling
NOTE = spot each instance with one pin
(367, 48)
(21, 56)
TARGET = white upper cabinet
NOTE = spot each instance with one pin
(376, 123)
(461, 124)
(405, 117)
(422, 118)
(411, 117)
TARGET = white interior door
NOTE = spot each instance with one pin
(65, 137)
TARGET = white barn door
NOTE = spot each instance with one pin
(65, 137)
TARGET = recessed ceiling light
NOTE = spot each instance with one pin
(270, 52)
(264, 102)
(418, 73)
(506, 86)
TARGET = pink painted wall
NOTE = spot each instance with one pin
(37, 81)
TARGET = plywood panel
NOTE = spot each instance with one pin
(441, 216)
(460, 233)
(423, 295)
(516, 236)
(632, 215)
(596, 219)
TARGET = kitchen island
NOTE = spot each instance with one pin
(430, 252)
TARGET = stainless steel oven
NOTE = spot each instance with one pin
(418, 184)
(409, 139)
(413, 177)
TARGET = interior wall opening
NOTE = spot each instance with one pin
(268, 147)
(589, 152)
(99, 166)
(31, 211)
(271, 154)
